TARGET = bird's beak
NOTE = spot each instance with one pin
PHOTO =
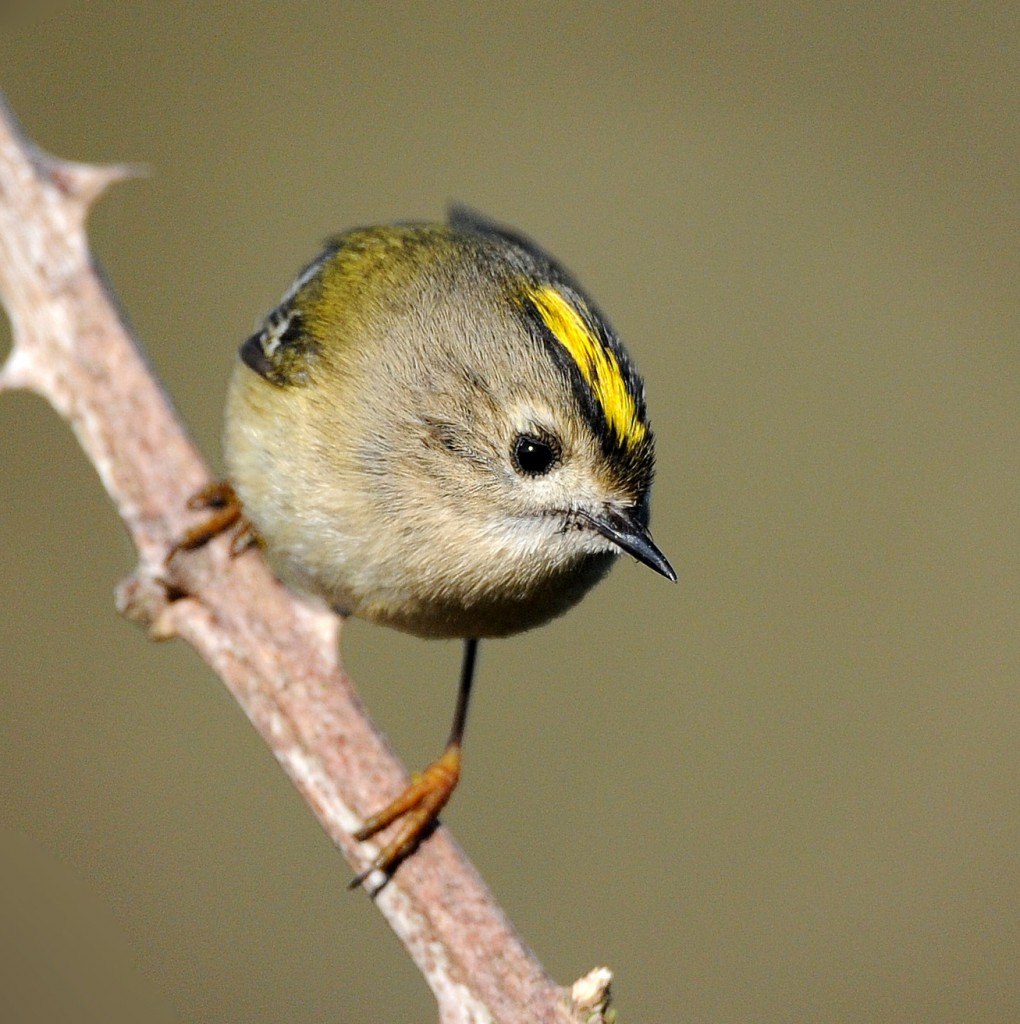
(629, 536)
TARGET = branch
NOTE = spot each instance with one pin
(276, 654)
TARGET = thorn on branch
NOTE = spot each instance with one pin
(87, 182)
(17, 373)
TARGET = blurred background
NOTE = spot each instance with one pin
(786, 789)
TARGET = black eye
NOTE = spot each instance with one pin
(534, 456)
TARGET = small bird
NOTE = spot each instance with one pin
(438, 431)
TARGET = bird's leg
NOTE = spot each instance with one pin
(419, 805)
(225, 515)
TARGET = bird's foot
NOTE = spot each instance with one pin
(225, 516)
(419, 806)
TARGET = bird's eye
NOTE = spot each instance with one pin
(534, 456)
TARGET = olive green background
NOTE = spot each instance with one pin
(786, 789)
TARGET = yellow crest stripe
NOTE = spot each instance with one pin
(598, 365)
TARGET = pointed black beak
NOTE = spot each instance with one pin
(626, 534)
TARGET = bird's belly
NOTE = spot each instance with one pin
(444, 613)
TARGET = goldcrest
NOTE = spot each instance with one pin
(437, 430)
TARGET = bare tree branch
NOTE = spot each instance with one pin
(276, 654)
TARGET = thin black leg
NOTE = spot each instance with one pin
(467, 677)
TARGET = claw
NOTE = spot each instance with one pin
(217, 494)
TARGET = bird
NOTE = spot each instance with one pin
(436, 430)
